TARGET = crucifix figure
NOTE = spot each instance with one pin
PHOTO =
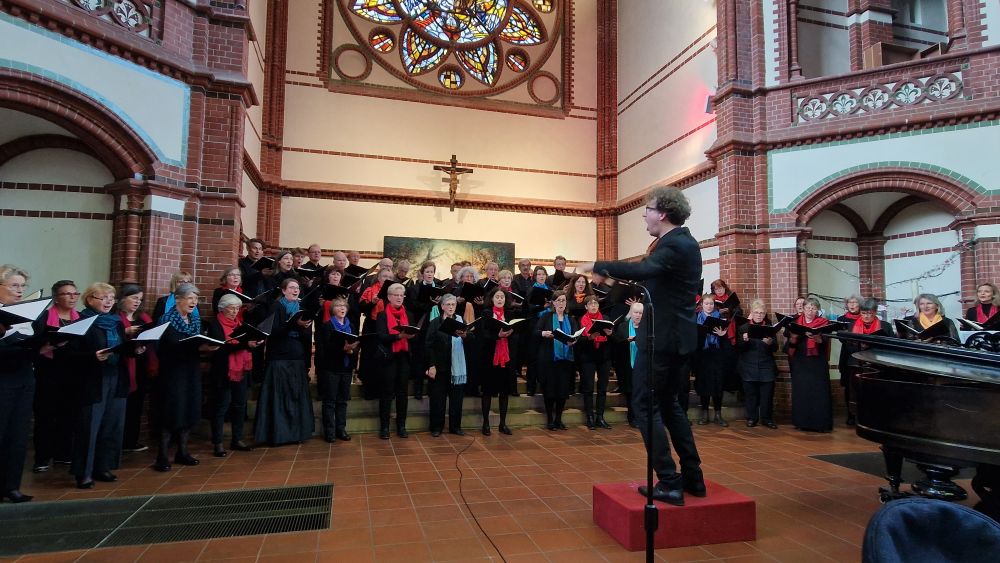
(453, 172)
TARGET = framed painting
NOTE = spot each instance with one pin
(445, 252)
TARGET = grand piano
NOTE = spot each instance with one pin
(937, 405)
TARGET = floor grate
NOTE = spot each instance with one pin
(85, 524)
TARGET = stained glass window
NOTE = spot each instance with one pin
(543, 6)
(521, 29)
(457, 39)
(382, 41)
(481, 63)
(517, 61)
(450, 78)
(420, 55)
(378, 11)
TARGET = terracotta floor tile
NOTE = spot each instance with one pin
(403, 553)
(297, 542)
(226, 548)
(393, 517)
(354, 555)
(456, 550)
(514, 544)
(404, 533)
(170, 552)
(556, 540)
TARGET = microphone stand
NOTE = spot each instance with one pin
(651, 517)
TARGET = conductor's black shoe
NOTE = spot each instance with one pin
(88, 484)
(601, 423)
(16, 496)
(696, 488)
(751, 423)
(186, 459)
(458, 431)
(504, 429)
(435, 433)
(383, 434)
(663, 493)
(402, 433)
(343, 436)
(161, 465)
(105, 477)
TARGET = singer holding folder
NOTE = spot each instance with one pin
(671, 273)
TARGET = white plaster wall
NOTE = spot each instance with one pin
(248, 215)
(254, 114)
(971, 152)
(870, 206)
(703, 223)
(655, 139)
(302, 52)
(18, 124)
(823, 51)
(56, 166)
(361, 125)
(362, 226)
(913, 219)
(154, 106)
(584, 54)
(258, 16)
(76, 249)
(769, 9)
(989, 13)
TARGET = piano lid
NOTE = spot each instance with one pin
(932, 359)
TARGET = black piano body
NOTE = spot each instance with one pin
(934, 404)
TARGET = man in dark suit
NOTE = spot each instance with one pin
(671, 272)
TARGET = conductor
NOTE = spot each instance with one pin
(671, 272)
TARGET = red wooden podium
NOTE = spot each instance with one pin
(722, 516)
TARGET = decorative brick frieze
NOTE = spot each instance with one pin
(903, 93)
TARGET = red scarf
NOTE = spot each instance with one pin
(240, 361)
(586, 321)
(130, 361)
(981, 316)
(731, 328)
(811, 348)
(370, 295)
(54, 321)
(397, 317)
(501, 354)
(852, 316)
(860, 327)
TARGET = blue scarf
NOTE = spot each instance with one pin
(561, 351)
(633, 348)
(109, 323)
(291, 307)
(346, 327)
(459, 371)
(191, 327)
(711, 340)
(171, 304)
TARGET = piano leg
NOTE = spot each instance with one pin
(938, 484)
(986, 483)
(893, 474)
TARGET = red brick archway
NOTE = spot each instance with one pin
(107, 136)
(953, 196)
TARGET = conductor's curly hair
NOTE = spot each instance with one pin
(670, 200)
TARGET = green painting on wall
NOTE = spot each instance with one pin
(444, 252)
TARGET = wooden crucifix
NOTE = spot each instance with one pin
(453, 172)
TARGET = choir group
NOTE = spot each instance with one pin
(86, 374)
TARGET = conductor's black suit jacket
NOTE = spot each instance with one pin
(672, 275)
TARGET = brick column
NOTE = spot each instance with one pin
(957, 26)
(871, 265)
(870, 23)
(607, 127)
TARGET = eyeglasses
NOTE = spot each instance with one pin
(68, 294)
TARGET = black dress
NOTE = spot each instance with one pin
(284, 407)
(713, 366)
(17, 387)
(812, 401)
(496, 380)
(555, 377)
(178, 385)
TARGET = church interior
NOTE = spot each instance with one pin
(829, 148)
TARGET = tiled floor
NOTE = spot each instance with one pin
(530, 492)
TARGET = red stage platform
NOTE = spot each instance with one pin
(722, 516)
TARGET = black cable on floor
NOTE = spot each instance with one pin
(469, 508)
